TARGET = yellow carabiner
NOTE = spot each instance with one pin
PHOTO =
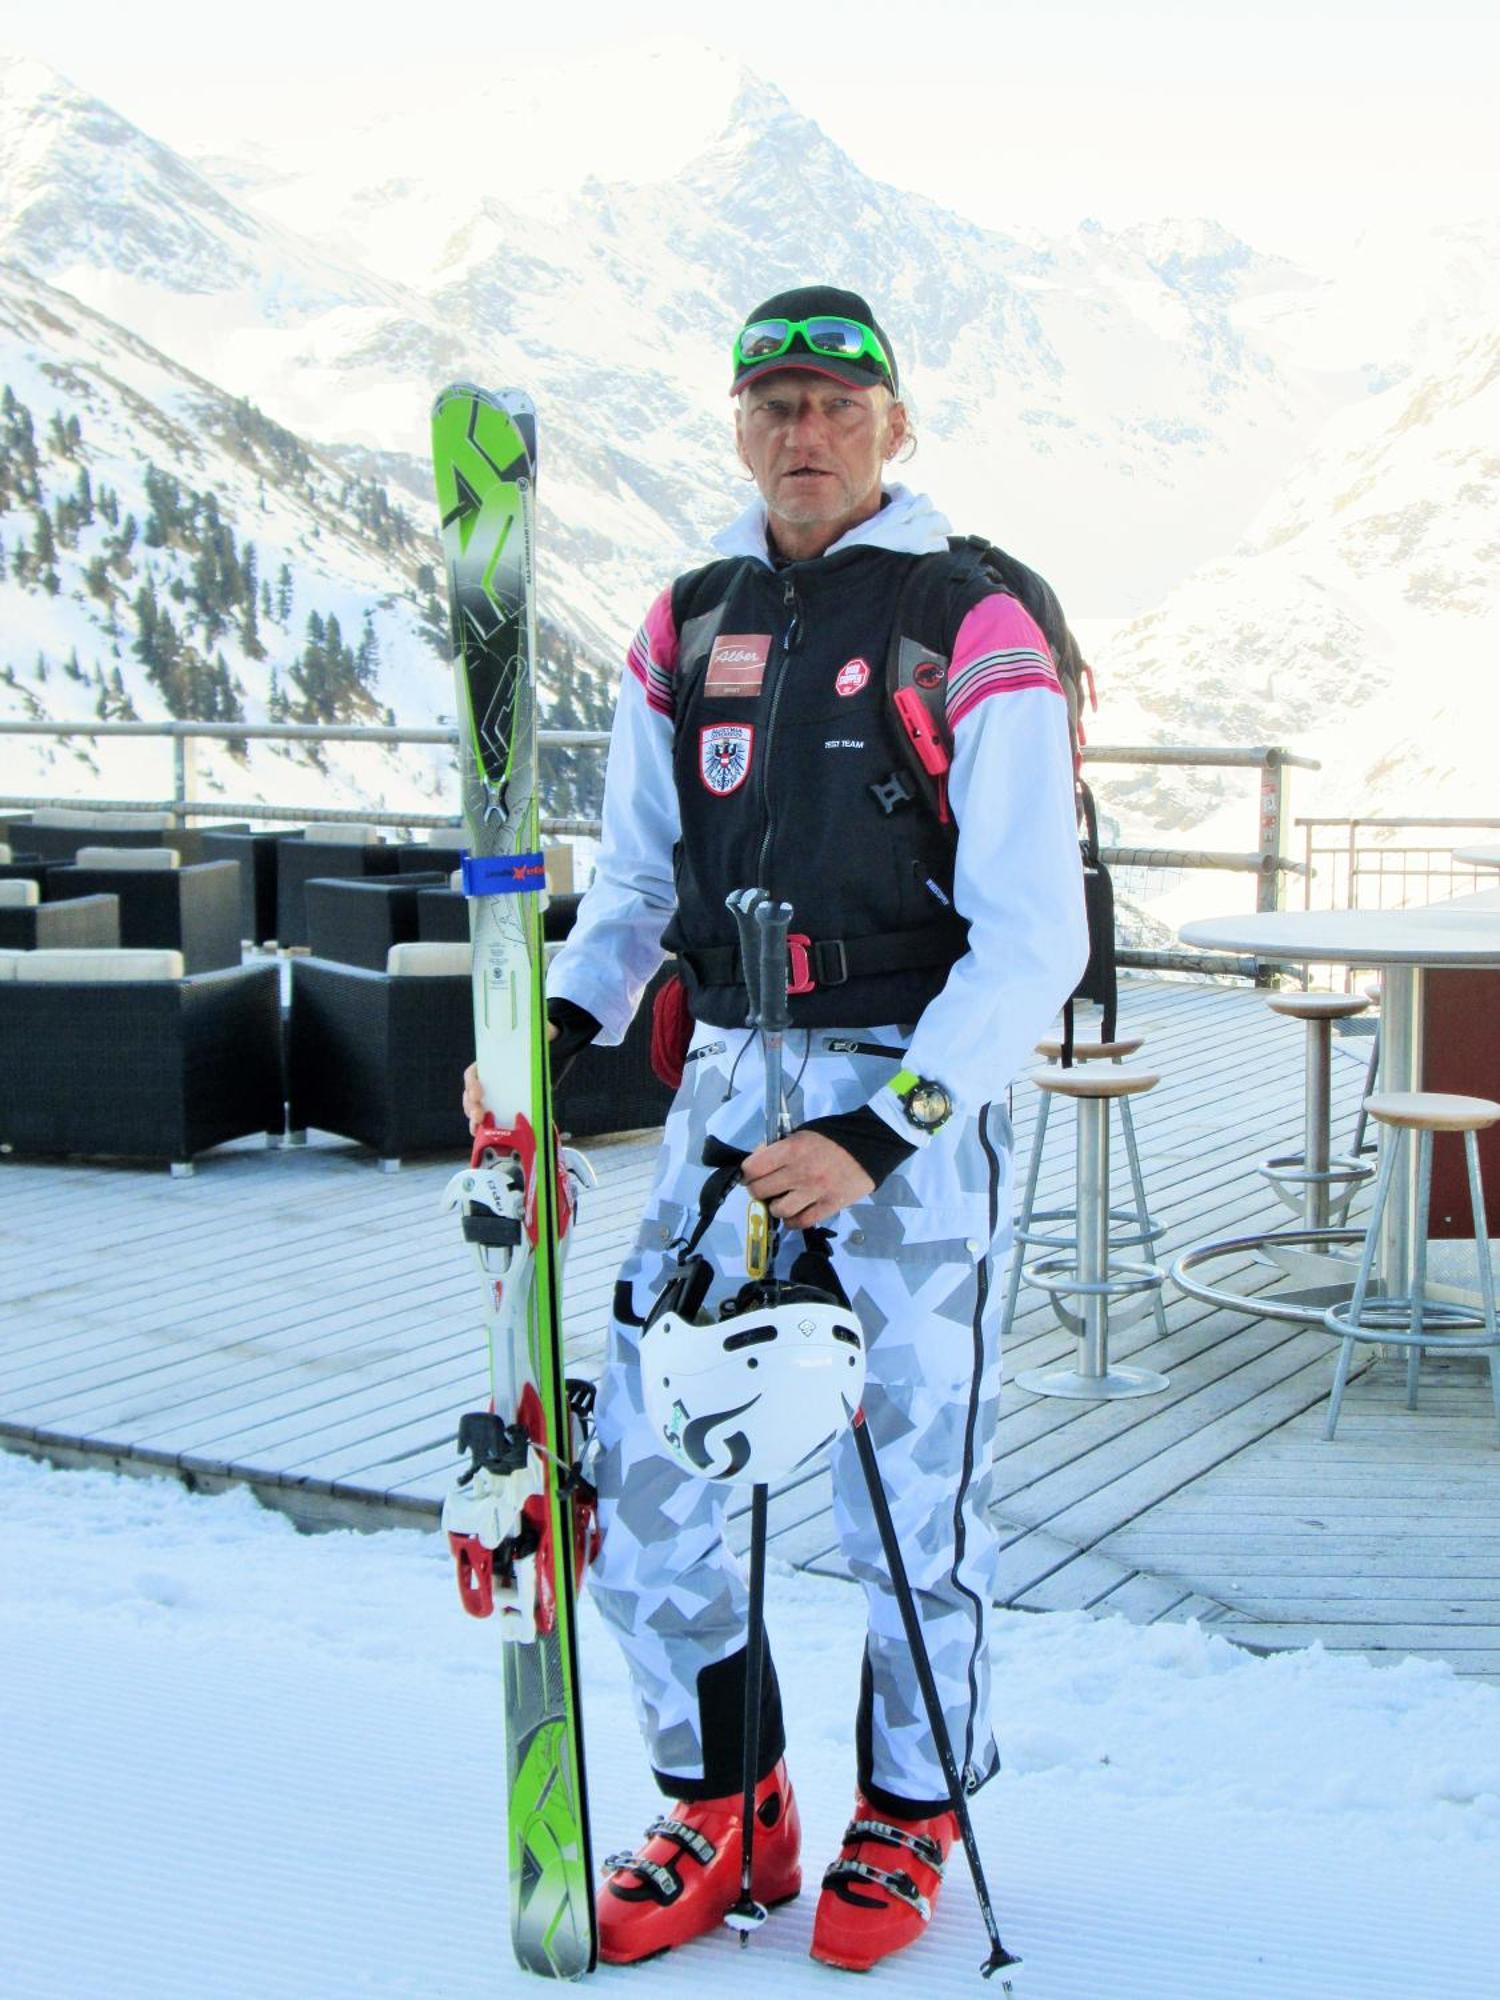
(757, 1239)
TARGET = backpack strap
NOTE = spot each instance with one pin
(916, 680)
(929, 611)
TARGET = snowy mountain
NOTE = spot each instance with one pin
(1359, 619)
(1118, 407)
(167, 550)
(1092, 401)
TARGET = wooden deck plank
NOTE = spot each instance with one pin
(1142, 1599)
(303, 1318)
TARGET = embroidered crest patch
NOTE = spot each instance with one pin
(724, 755)
(852, 676)
(737, 663)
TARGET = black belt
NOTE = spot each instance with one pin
(818, 962)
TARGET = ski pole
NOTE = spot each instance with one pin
(742, 904)
(999, 1959)
(774, 921)
(763, 927)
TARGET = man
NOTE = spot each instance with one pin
(755, 745)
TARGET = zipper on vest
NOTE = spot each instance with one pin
(791, 638)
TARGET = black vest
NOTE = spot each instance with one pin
(784, 753)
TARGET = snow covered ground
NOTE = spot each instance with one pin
(244, 1764)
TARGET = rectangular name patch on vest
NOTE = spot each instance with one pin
(737, 664)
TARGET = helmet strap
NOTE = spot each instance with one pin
(814, 1264)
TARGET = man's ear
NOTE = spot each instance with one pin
(739, 434)
(896, 437)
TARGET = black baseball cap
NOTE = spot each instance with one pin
(812, 302)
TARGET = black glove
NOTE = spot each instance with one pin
(576, 1028)
(866, 1138)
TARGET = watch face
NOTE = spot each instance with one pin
(928, 1105)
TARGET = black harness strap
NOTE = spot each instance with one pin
(834, 961)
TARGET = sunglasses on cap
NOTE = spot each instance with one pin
(840, 339)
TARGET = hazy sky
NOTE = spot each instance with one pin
(1293, 124)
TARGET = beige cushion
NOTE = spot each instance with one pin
(8, 961)
(456, 880)
(94, 968)
(20, 895)
(5, 853)
(102, 822)
(345, 833)
(428, 960)
(445, 836)
(558, 862)
(128, 857)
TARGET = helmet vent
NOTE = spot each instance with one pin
(750, 1336)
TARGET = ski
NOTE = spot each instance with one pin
(517, 1520)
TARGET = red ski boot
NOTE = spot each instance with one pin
(687, 1874)
(878, 1895)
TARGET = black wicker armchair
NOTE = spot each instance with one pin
(159, 1067)
(194, 910)
(81, 923)
(379, 1057)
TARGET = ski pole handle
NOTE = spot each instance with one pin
(774, 920)
(742, 904)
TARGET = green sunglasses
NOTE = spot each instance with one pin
(840, 339)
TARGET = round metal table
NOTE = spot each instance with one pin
(1403, 944)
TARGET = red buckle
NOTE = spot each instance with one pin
(799, 946)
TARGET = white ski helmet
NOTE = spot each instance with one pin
(758, 1392)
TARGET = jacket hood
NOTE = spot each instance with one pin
(908, 523)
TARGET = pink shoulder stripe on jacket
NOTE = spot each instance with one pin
(999, 650)
(653, 656)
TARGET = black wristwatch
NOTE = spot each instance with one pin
(926, 1104)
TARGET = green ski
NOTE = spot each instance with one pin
(516, 1521)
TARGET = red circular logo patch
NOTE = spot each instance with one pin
(852, 676)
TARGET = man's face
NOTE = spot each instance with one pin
(816, 449)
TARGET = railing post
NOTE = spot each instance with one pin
(1273, 810)
(181, 775)
(1269, 894)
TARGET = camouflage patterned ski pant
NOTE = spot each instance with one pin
(922, 1262)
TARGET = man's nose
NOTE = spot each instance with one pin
(806, 420)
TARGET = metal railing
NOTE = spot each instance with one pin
(1366, 864)
(1267, 861)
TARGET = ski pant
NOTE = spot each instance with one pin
(922, 1262)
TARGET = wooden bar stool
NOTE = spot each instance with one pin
(1315, 1184)
(1130, 1228)
(1413, 1321)
(1085, 1267)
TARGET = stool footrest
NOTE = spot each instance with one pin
(1137, 1233)
(1059, 1274)
(1389, 1321)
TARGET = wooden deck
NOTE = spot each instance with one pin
(300, 1322)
